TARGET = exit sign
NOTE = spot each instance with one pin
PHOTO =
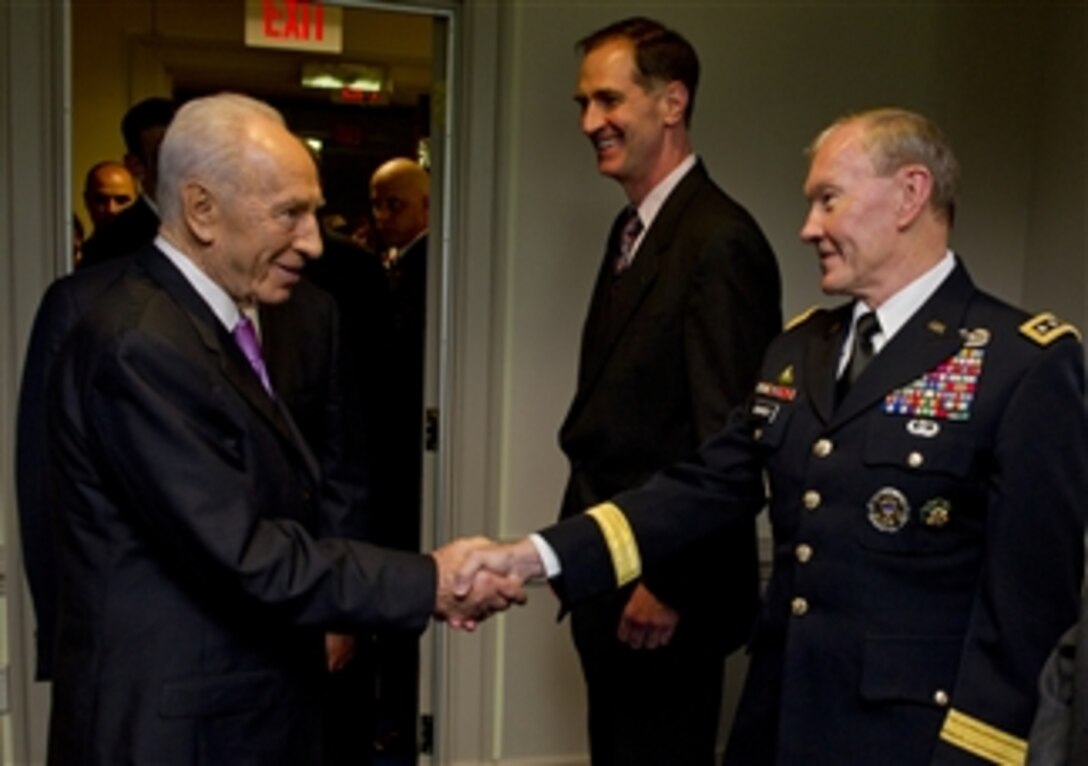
(304, 25)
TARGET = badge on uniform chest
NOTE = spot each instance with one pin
(948, 391)
(889, 510)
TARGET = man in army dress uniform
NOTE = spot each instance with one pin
(925, 449)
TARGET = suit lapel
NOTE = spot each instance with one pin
(224, 351)
(928, 338)
(616, 302)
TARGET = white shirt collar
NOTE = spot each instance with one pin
(653, 202)
(218, 300)
(898, 309)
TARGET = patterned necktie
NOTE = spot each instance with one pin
(246, 337)
(862, 351)
(632, 227)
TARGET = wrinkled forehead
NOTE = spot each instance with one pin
(838, 151)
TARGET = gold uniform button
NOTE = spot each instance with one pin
(811, 499)
(757, 434)
(940, 698)
(915, 460)
(803, 553)
(822, 448)
(799, 607)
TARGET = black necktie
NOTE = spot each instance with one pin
(861, 350)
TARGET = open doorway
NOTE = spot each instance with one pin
(182, 50)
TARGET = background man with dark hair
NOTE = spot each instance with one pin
(143, 128)
(686, 300)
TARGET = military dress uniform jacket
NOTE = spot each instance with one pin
(927, 534)
(193, 590)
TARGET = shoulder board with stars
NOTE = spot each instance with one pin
(1046, 328)
(802, 317)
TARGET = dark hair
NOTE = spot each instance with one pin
(154, 112)
(661, 54)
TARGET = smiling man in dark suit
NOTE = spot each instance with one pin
(686, 301)
(301, 340)
(194, 584)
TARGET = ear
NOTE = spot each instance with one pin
(200, 211)
(675, 99)
(915, 189)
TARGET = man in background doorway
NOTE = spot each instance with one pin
(400, 202)
(107, 190)
(400, 205)
(143, 128)
(686, 300)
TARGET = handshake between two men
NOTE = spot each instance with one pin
(478, 577)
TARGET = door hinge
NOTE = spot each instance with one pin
(430, 430)
(426, 734)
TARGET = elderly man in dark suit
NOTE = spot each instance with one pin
(924, 448)
(301, 340)
(686, 301)
(194, 584)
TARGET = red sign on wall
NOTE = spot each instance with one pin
(294, 24)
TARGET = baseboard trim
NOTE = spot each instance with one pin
(550, 760)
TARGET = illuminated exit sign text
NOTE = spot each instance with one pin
(294, 24)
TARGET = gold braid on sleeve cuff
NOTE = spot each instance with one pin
(983, 740)
(620, 540)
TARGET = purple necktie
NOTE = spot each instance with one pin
(246, 338)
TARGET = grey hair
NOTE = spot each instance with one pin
(206, 141)
(895, 138)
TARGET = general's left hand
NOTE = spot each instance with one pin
(647, 623)
(339, 650)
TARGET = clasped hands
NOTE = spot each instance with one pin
(478, 577)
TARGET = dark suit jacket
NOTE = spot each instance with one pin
(301, 343)
(925, 564)
(667, 352)
(133, 228)
(383, 323)
(193, 589)
(399, 425)
(63, 304)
